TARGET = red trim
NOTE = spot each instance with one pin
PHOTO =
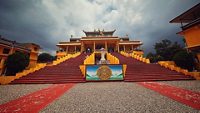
(36, 101)
(190, 98)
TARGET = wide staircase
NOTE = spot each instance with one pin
(65, 72)
(138, 71)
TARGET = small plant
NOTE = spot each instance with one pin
(45, 57)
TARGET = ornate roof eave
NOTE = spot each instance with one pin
(131, 42)
(68, 43)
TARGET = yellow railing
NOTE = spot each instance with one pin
(83, 69)
(8, 79)
(139, 53)
(136, 56)
(124, 69)
(124, 53)
(60, 54)
(112, 59)
(172, 66)
(90, 59)
(64, 58)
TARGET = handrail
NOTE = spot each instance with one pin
(112, 59)
(90, 59)
(136, 56)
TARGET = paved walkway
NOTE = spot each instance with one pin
(116, 97)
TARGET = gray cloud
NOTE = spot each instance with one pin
(46, 22)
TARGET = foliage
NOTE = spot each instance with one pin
(184, 60)
(45, 57)
(166, 49)
(16, 62)
(154, 58)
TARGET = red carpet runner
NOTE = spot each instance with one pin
(34, 102)
(184, 96)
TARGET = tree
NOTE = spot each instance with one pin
(184, 60)
(16, 62)
(154, 58)
(45, 57)
(166, 49)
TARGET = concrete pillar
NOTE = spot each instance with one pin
(132, 47)
(82, 47)
(117, 47)
(94, 47)
(75, 49)
(106, 46)
(67, 49)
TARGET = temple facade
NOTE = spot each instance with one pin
(95, 40)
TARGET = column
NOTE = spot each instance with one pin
(82, 47)
(117, 47)
(106, 46)
(132, 47)
(75, 49)
(94, 47)
(67, 49)
(124, 48)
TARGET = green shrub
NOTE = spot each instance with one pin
(45, 57)
(16, 62)
(154, 58)
(184, 60)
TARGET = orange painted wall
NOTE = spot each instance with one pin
(33, 55)
(192, 36)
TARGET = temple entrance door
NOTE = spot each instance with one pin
(88, 50)
(99, 46)
(111, 49)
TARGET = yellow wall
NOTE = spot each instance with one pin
(90, 59)
(112, 59)
(33, 55)
(192, 36)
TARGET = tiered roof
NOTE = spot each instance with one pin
(98, 32)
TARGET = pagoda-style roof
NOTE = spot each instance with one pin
(188, 16)
(15, 44)
(96, 33)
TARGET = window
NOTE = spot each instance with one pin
(17, 51)
(35, 49)
(6, 51)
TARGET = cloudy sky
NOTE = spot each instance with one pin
(46, 22)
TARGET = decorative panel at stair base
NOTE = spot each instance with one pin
(104, 72)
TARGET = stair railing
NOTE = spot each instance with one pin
(90, 59)
(112, 59)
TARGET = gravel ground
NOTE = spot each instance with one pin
(115, 97)
(11, 92)
(193, 85)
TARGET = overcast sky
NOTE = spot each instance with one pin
(46, 22)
